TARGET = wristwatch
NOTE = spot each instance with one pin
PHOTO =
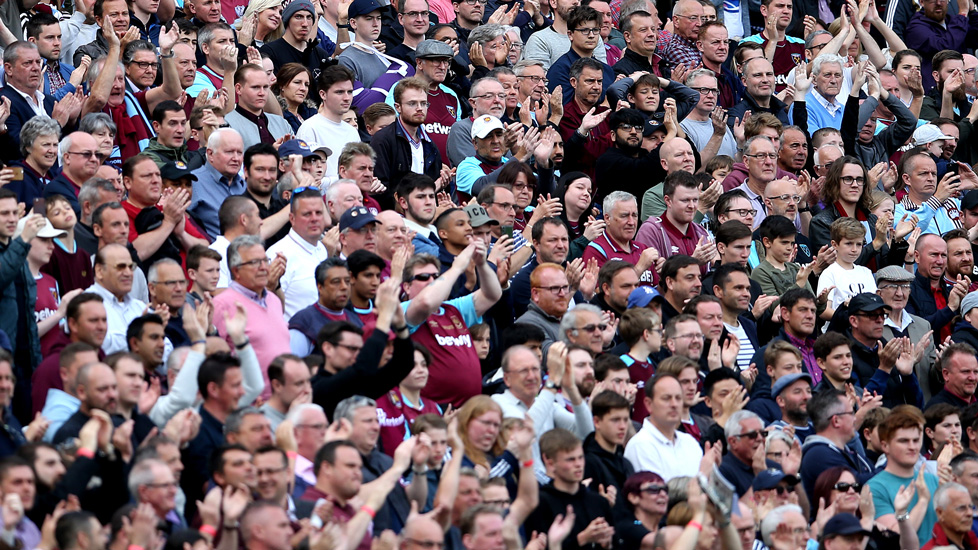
(549, 384)
(904, 516)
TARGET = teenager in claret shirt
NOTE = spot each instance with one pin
(47, 310)
(398, 408)
(785, 52)
(365, 269)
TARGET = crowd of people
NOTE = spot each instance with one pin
(488, 274)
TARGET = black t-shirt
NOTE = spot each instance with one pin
(629, 533)
(275, 206)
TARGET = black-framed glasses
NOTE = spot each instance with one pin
(742, 212)
(707, 91)
(590, 31)
(754, 434)
(842, 486)
(629, 127)
(535, 79)
(424, 277)
(556, 289)
(351, 349)
(416, 14)
(145, 65)
(849, 180)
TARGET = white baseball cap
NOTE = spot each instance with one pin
(485, 124)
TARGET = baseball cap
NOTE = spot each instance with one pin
(928, 133)
(478, 216)
(843, 524)
(651, 126)
(176, 170)
(356, 217)
(295, 147)
(363, 7)
(866, 302)
(769, 479)
(893, 273)
(970, 200)
(788, 380)
(485, 124)
(46, 232)
(432, 49)
(969, 302)
(643, 296)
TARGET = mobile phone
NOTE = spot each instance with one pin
(18, 172)
(508, 231)
(40, 207)
(953, 168)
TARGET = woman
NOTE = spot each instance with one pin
(838, 485)
(104, 130)
(906, 67)
(647, 496)
(292, 89)
(261, 23)
(942, 425)
(524, 182)
(403, 404)
(576, 200)
(39, 139)
(479, 424)
(845, 193)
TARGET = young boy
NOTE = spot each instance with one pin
(47, 307)
(848, 238)
(777, 273)
(70, 265)
(604, 448)
(642, 331)
(204, 272)
(834, 356)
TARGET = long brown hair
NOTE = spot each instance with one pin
(287, 73)
(831, 191)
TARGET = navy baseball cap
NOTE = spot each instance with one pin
(176, 170)
(295, 147)
(363, 7)
(643, 296)
(769, 479)
(356, 217)
(843, 524)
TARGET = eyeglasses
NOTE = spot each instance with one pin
(742, 212)
(754, 434)
(86, 154)
(847, 413)
(487, 97)
(496, 503)
(415, 104)
(590, 31)
(654, 489)
(474, 2)
(707, 91)
(764, 156)
(523, 187)
(516, 46)
(424, 277)
(171, 284)
(317, 427)
(536, 79)
(852, 180)
(692, 18)
(298, 190)
(690, 335)
(594, 328)
(787, 198)
(775, 455)
(557, 289)
(417, 14)
(255, 263)
(904, 287)
(270, 471)
(351, 349)
(629, 127)
(145, 65)
(842, 486)
(504, 205)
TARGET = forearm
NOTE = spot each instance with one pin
(448, 487)
(253, 381)
(893, 40)
(417, 491)
(710, 150)
(146, 244)
(188, 241)
(690, 535)
(947, 107)
(170, 89)
(102, 87)
(918, 513)
(908, 536)
(229, 540)
(431, 298)
(166, 11)
(731, 540)
(46, 325)
(871, 48)
(489, 290)
(527, 492)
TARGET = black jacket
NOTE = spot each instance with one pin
(922, 303)
(964, 332)
(616, 170)
(895, 388)
(587, 504)
(394, 159)
(819, 235)
(604, 468)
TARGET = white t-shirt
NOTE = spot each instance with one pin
(732, 19)
(847, 283)
(319, 131)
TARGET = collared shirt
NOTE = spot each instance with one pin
(119, 314)
(299, 280)
(756, 201)
(905, 321)
(650, 450)
(209, 193)
(676, 49)
(57, 81)
(220, 245)
(260, 120)
(304, 470)
(419, 229)
(833, 107)
(806, 346)
(35, 100)
(250, 294)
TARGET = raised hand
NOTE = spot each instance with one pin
(591, 120)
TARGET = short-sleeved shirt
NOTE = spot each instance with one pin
(604, 249)
(396, 414)
(788, 54)
(885, 486)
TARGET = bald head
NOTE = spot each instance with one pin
(392, 233)
(677, 154)
(422, 531)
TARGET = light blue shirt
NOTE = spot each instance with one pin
(58, 408)
(210, 190)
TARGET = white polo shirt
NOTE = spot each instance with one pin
(651, 451)
(299, 280)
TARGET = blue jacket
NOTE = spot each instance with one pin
(820, 454)
(559, 75)
(150, 31)
(20, 110)
(33, 184)
(922, 303)
(65, 70)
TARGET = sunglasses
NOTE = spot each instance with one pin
(424, 277)
(781, 489)
(655, 489)
(843, 487)
(591, 328)
(754, 434)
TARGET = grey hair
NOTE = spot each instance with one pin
(698, 73)
(486, 33)
(63, 147)
(837, 148)
(525, 64)
(234, 420)
(206, 33)
(774, 518)
(96, 68)
(777, 435)
(334, 188)
(177, 358)
(296, 412)
(678, 489)
(286, 183)
(347, 407)
(569, 320)
(476, 87)
(153, 275)
(614, 198)
(142, 474)
(36, 127)
(751, 141)
(733, 428)
(94, 122)
(234, 249)
(812, 36)
(215, 139)
(137, 46)
(504, 362)
(942, 498)
(12, 52)
(89, 193)
(827, 59)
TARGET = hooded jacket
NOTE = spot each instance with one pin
(604, 468)
(819, 454)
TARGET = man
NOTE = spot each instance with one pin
(486, 97)
(743, 433)
(364, 279)
(94, 193)
(289, 377)
(780, 48)
(960, 373)
(592, 133)
(343, 195)
(793, 154)
(298, 44)
(551, 245)
(170, 126)
(964, 470)
(761, 160)
(932, 29)
(218, 178)
(60, 79)
(113, 281)
(358, 231)
(113, 17)
(679, 47)
(238, 216)
(659, 446)
(22, 69)
(332, 279)
(952, 503)
(943, 65)
(168, 287)
(391, 237)
(617, 242)
(531, 85)
(266, 525)
(327, 127)
(708, 138)
(792, 393)
(825, 109)
(365, 22)
(416, 198)
(309, 429)
(893, 284)
(675, 154)
(933, 202)
(216, 41)
(146, 340)
(405, 146)
(714, 47)
(96, 388)
(248, 117)
(616, 280)
(759, 86)
(261, 175)
(548, 46)
(583, 326)
(583, 28)
(247, 297)
(798, 312)
(489, 156)
(626, 156)
(303, 250)
(901, 437)
(640, 30)
(731, 285)
(154, 234)
(249, 428)
(604, 458)
(930, 296)
(679, 281)
(79, 164)
(413, 21)
(153, 483)
(835, 426)
(549, 300)
(675, 232)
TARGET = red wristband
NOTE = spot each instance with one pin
(86, 453)
(136, 547)
(368, 510)
(208, 530)
(527, 464)
(696, 524)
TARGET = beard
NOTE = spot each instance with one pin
(627, 148)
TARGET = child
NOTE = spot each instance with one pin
(70, 265)
(641, 329)
(48, 310)
(719, 166)
(204, 272)
(480, 340)
(848, 238)
(777, 273)
(834, 356)
(403, 404)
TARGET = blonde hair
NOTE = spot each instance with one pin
(472, 409)
(258, 6)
